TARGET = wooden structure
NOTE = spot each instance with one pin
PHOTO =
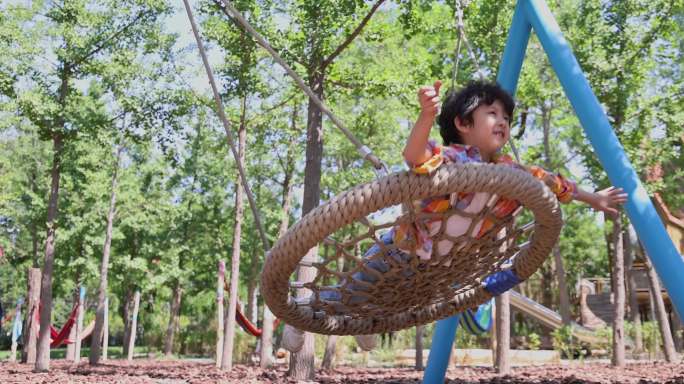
(600, 303)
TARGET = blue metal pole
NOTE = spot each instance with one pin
(514, 52)
(440, 350)
(667, 261)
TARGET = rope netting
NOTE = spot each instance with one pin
(386, 285)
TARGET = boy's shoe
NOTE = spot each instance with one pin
(293, 339)
(366, 342)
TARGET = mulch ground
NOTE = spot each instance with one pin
(181, 372)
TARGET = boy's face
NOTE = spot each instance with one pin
(489, 131)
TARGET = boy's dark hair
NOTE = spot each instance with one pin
(462, 103)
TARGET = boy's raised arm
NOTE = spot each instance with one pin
(415, 152)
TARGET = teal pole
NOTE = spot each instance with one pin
(440, 350)
(514, 51)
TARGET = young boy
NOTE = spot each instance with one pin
(475, 125)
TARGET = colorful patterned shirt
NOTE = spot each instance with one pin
(418, 234)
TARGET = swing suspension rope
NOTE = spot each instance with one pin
(403, 292)
(365, 152)
(459, 5)
(461, 37)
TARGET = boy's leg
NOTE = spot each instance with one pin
(293, 338)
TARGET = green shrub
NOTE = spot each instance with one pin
(565, 343)
(652, 338)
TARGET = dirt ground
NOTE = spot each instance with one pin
(203, 372)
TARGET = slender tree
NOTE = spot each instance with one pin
(318, 51)
(98, 332)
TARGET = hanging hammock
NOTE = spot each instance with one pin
(243, 321)
(410, 292)
(248, 326)
(59, 336)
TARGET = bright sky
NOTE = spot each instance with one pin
(178, 23)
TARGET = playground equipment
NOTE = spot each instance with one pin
(550, 318)
(454, 282)
(535, 14)
(411, 292)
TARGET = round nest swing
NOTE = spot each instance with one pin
(411, 291)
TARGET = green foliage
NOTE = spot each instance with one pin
(652, 338)
(565, 343)
(527, 335)
(533, 341)
(605, 335)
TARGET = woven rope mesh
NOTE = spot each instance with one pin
(366, 284)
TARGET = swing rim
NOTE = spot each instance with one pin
(285, 256)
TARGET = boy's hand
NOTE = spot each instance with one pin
(607, 200)
(428, 98)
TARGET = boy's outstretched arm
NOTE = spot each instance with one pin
(605, 200)
(415, 152)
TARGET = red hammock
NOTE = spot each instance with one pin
(248, 326)
(59, 337)
(243, 322)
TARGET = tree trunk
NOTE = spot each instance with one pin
(43, 345)
(220, 281)
(173, 319)
(128, 319)
(34, 241)
(331, 342)
(329, 355)
(618, 359)
(547, 277)
(266, 358)
(563, 297)
(134, 326)
(30, 324)
(634, 315)
(302, 362)
(71, 347)
(96, 338)
(229, 332)
(503, 333)
(79, 325)
(105, 332)
(676, 329)
(661, 313)
(419, 347)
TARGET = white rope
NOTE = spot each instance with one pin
(229, 133)
(234, 14)
(460, 27)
